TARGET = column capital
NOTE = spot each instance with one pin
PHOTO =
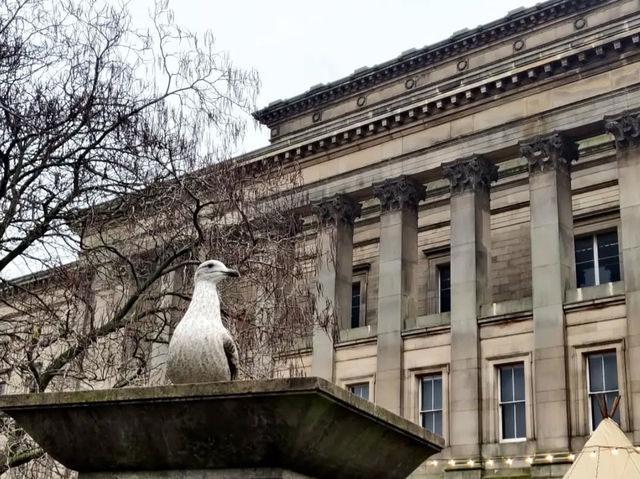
(474, 173)
(549, 152)
(399, 193)
(625, 128)
(336, 209)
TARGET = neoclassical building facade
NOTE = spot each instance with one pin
(479, 204)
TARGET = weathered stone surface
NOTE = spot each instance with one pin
(554, 151)
(305, 425)
(336, 209)
(625, 128)
(398, 193)
(474, 173)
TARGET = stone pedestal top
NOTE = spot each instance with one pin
(305, 425)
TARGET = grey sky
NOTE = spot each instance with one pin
(295, 44)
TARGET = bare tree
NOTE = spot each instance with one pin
(115, 180)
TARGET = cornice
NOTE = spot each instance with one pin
(460, 43)
(527, 77)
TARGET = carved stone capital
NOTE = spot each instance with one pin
(549, 152)
(398, 193)
(473, 173)
(625, 128)
(337, 209)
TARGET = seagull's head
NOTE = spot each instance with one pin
(214, 271)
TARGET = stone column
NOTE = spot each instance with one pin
(334, 266)
(470, 180)
(398, 257)
(553, 272)
(626, 130)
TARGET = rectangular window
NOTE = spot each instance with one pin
(360, 390)
(597, 259)
(512, 402)
(602, 380)
(444, 288)
(355, 304)
(431, 403)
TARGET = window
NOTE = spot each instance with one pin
(360, 390)
(602, 380)
(597, 259)
(431, 403)
(444, 288)
(355, 304)
(512, 402)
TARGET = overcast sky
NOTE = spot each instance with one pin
(295, 44)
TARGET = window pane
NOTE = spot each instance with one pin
(360, 390)
(609, 270)
(437, 393)
(444, 273)
(608, 245)
(610, 371)
(518, 383)
(427, 421)
(521, 430)
(595, 373)
(508, 421)
(355, 304)
(585, 268)
(427, 392)
(437, 422)
(506, 384)
(596, 417)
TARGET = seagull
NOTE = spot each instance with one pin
(201, 349)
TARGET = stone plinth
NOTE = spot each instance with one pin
(285, 428)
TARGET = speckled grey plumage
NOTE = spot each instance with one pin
(201, 348)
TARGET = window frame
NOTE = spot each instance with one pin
(595, 224)
(581, 413)
(413, 390)
(435, 257)
(360, 273)
(369, 379)
(360, 384)
(441, 410)
(588, 383)
(439, 286)
(499, 369)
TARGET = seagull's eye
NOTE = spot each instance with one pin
(209, 266)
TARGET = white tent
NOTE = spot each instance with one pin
(607, 454)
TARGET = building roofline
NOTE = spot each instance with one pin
(516, 21)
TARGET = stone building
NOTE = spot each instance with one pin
(480, 242)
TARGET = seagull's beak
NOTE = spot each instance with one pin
(232, 273)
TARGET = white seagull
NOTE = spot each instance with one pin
(201, 349)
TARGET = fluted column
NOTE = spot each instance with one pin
(470, 180)
(334, 266)
(398, 257)
(626, 130)
(553, 272)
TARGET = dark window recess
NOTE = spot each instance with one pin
(512, 402)
(444, 288)
(355, 304)
(597, 259)
(603, 380)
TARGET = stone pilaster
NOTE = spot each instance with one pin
(553, 272)
(334, 266)
(399, 198)
(626, 130)
(470, 180)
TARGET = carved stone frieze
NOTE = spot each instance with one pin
(474, 174)
(549, 152)
(337, 209)
(398, 193)
(625, 128)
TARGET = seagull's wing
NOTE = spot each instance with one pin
(231, 351)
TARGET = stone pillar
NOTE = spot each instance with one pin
(334, 266)
(470, 180)
(626, 130)
(398, 257)
(553, 272)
